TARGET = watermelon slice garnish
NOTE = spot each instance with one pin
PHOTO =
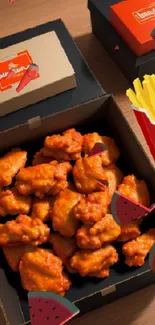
(47, 308)
(29, 75)
(124, 210)
(152, 258)
(98, 149)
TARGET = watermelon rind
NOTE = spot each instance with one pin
(113, 207)
(53, 296)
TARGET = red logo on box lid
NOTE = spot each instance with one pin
(145, 14)
(12, 69)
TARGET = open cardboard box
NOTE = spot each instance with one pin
(104, 116)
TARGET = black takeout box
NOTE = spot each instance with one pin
(132, 66)
(88, 109)
(104, 116)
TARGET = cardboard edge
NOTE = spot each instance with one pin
(104, 96)
(7, 308)
(116, 285)
(3, 314)
(15, 103)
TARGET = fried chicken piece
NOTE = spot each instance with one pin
(92, 208)
(129, 231)
(64, 147)
(136, 250)
(13, 203)
(43, 179)
(137, 191)
(63, 217)
(24, 230)
(110, 156)
(39, 159)
(14, 253)
(10, 164)
(41, 270)
(103, 231)
(87, 169)
(94, 263)
(114, 177)
(41, 208)
(84, 172)
(104, 273)
(63, 248)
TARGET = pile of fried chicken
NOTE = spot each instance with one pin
(74, 216)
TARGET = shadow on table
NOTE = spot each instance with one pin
(104, 68)
(131, 310)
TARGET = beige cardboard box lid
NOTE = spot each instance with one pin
(56, 74)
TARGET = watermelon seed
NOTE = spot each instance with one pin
(56, 317)
(125, 202)
(47, 318)
(46, 302)
(33, 316)
(40, 310)
(54, 308)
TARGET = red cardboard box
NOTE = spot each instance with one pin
(135, 22)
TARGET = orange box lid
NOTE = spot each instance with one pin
(135, 20)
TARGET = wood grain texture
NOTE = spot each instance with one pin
(138, 308)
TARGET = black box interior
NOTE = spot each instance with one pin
(104, 116)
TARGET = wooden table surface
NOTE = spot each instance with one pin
(138, 308)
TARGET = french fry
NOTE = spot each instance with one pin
(149, 79)
(144, 105)
(152, 96)
(132, 97)
(137, 86)
(153, 80)
(146, 93)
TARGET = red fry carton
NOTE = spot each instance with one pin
(147, 127)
